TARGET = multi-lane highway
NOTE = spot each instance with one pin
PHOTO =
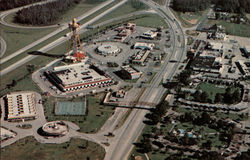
(58, 41)
(61, 28)
(122, 143)
(3, 46)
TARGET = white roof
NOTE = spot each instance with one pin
(216, 45)
(78, 74)
(21, 104)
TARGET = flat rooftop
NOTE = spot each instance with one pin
(21, 105)
(130, 69)
(78, 74)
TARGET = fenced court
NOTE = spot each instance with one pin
(70, 108)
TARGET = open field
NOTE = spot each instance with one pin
(52, 38)
(17, 38)
(213, 89)
(96, 114)
(74, 149)
(124, 9)
(73, 12)
(233, 28)
(160, 2)
(189, 19)
(151, 20)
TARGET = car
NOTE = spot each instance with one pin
(173, 61)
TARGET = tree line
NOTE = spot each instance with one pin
(9, 4)
(235, 6)
(44, 14)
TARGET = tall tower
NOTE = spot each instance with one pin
(75, 43)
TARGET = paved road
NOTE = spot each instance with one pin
(121, 145)
(3, 46)
(7, 12)
(53, 44)
(61, 28)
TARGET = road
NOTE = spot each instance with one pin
(54, 43)
(61, 28)
(122, 143)
(3, 46)
(10, 11)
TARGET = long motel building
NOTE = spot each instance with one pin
(21, 106)
(78, 76)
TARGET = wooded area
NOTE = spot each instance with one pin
(44, 14)
(9, 4)
(236, 6)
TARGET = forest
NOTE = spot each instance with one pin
(234, 6)
(9, 4)
(44, 14)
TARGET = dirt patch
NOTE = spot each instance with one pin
(193, 21)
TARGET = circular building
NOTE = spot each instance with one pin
(106, 49)
(55, 128)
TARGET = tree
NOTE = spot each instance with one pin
(197, 96)
(218, 98)
(236, 96)
(204, 97)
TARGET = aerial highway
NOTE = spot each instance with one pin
(61, 28)
(122, 143)
(54, 43)
(3, 46)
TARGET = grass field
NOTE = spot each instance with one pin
(29, 148)
(190, 40)
(160, 2)
(96, 114)
(124, 9)
(212, 89)
(233, 28)
(17, 38)
(189, 19)
(75, 11)
(26, 40)
(151, 20)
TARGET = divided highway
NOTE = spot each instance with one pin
(122, 144)
(58, 41)
(62, 27)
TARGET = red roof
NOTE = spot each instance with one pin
(79, 55)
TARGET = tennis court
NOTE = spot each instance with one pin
(70, 108)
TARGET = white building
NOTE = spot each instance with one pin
(77, 77)
(21, 106)
(140, 57)
(150, 34)
(144, 46)
(132, 73)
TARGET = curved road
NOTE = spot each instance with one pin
(7, 12)
(122, 143)
(3, 46)
(63, 27)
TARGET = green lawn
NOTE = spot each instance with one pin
(96, 114)
(233, 28)
(19, 38)
(190, 40)
(26, 37)
(213, 89)
(189, 19)
(124, 9)
(29, 148)
(151, 20)
(160, 2)
(75, 11)
(22, 76)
